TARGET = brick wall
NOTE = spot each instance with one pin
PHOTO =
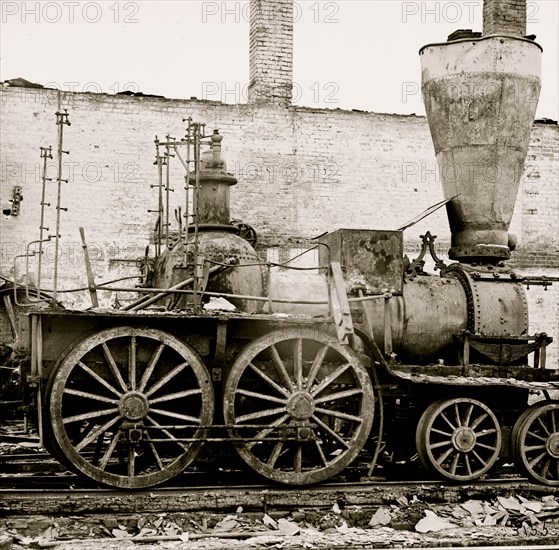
(504, 16)
(301, 172)
(271, 52)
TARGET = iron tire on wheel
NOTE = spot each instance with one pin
(309, 400)
(458, 438)
(127, 406)
(535, 442)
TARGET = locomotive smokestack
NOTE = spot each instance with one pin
(481, 96)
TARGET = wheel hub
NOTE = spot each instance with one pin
(133, 406)
(552, 445)
(464, 439)
(300, 406)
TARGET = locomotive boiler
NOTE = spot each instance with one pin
(375, 357)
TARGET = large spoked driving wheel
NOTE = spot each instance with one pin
(458, 438)
(301, 403)
(127, 406)
(535, 441)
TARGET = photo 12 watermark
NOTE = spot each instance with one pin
(239, 11)
(447, 11)
(326, 93)
(69, 12)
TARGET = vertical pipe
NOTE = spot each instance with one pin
(45, 154)
(61, 119)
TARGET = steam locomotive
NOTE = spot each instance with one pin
(378, 355)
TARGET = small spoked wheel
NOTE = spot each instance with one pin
(299, 406)
(535, 442)
(459, 438)
(128, 406)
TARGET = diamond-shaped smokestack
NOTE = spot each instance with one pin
(480, 97)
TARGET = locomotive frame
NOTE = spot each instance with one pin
(433, 366)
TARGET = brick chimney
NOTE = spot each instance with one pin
(271, 52)
(504, 16)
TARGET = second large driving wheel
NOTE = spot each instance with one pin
(459, 438)
(128, 406)
(299, 405)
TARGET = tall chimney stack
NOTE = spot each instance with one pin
(271, 52)
(504, 17)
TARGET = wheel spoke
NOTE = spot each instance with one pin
(262, 434)
(275, 453)
(439, 445)
(264, 397)
(321, 452)
(177, 395)
(486, 432)
(468, 416)
(87, 395)
(339, 395)
(468, 465)
(330, 378)
(454, 464)
(96, 433)
(339, 414)
(110, 450)
(185, 417)
(444, 456)
(479, 420)
(476, 454)
(298, 457)
(169, 376)
(538, 458)
(132, 363)
(437, 431)
(113, 366)
(280, 367)
(298, 363)
(317, 363)
(444, 417)
(536, 436)
(101, 381)
(534, 448)
(545, 469)
(269, 381)
(167, 433)
(457, 413)
(544, 427)
(260, 414)
(154, 452)
(331, 432)
(553, 420)
(151, 365)
(131, 461)
(87, 416)
(483, 446)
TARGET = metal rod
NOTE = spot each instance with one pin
(167, 189)
(89, 271)
(173, 290)
(187, 186)
(45, 154)
(195, 209)
(61, 120)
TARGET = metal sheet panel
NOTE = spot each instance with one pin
(371, 259)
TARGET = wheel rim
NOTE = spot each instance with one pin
(536, 442)
(312, 398)
(123, 402)
(458, 438)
